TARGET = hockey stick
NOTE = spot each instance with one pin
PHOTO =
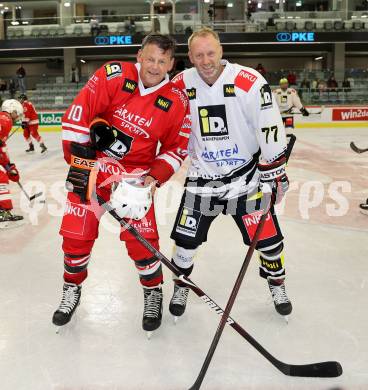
(356, 149)
(30, 198)
(329, 369)
(300, 113)
(13, 132)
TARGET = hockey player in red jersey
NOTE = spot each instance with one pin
(113, 127)
(30, 124)
(11, 111)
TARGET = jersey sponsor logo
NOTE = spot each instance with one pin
(213, 122)
(129, 85)
(75, 210)
(143, 226)
(181, 95)
(229, 90)
(112, 70)
(188, 222)
(223, 157)
(133, 122)
(251, 222)
(283, 99)
(192, 93)
(244, 80)
(266, 97)
(163, 103)
(120, 146)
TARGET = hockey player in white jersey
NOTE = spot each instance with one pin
(237, 143)
(287, 98)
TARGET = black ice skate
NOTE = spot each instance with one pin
(30, 148)
(69, 302)
(178, 301)
(280, 299)
(43, 147)
(7, 219)
(152, 313)
(364, 207)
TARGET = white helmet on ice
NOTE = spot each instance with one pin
(12, 105)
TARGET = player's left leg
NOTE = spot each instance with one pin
(149, 268)
(6, 204)
(28, 139)
(35, 134)
(270, 249)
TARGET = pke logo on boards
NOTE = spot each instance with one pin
(266, 97)
(163, 103)
(188, 222)
(113, 70)
(212, 120)
(129, 85)
(192, 94)
(229, 90)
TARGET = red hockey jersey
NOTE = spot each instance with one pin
(147, 117)
(6, 123)
(30, 115)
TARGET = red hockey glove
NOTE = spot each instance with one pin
(12, 172)
(24, 125)
(273, 179)
(81, 175)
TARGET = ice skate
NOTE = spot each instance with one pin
(280, 299)
(178, 301)
(363, 207)
(30, 148)
(69, 303)
(152, 313)
(9, 220)
(43, 147)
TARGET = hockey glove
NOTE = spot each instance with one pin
(304, 111)
(24, 125)
(273, 179)
(81, 175)
(12, 172)
(109, 140)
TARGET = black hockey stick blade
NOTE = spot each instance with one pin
(314, 370)
(356, 149)
(35, 196)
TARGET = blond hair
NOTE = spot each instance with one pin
(203, 32)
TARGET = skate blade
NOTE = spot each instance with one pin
(286, 318)
(149, 334)
(176, 319)
(12, 224)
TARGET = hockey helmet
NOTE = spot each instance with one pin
(284, 80)
(22, 97)
(12, 105)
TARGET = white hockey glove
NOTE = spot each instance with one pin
(273, 179)
(131, 201)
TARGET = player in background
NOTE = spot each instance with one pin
(115, 125)
(30, 124)
(11, 111)
(236, 147)
(287, 98)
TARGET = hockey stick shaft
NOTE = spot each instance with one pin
(356, 149)
(30, 198)
(320, 369)
(13, 132)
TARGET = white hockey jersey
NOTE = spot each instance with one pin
(286, 100)
(232, 122)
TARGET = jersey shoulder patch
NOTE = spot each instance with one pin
(178, 80)
(163, 103)
(113, 69)
(245, 80)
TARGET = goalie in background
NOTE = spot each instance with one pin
(287, 98)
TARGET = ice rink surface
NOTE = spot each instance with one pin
(105, 348)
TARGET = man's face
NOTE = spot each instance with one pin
(205, 53)
(155, 63)
(284, 86)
